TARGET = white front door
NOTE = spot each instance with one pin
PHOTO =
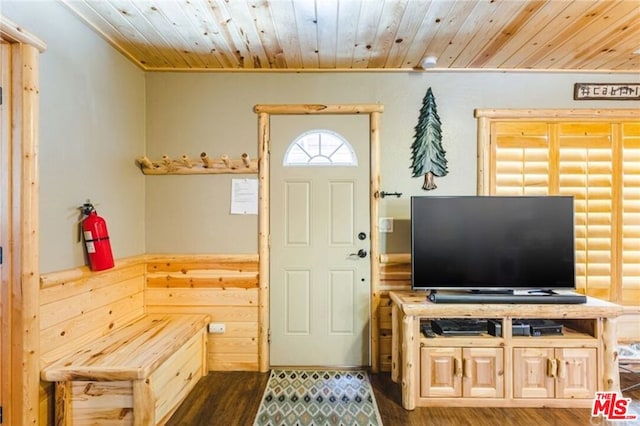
(319, 219)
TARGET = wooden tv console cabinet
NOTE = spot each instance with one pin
(507, 371)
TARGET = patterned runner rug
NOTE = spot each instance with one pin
(318, 398)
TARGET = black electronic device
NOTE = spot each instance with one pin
(494, 328)
(520, 328)
(543, 327)
(493, 244)
(549, 298)
(459, 327)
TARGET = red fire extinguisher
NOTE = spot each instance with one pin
(96, 239)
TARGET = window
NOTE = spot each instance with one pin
(320, 148)
(597, 163)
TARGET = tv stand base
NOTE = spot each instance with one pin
(443, 370)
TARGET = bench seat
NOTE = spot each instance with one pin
(137, 374)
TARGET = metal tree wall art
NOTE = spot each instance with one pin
(427, 154)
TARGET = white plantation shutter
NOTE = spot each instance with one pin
(599, 164)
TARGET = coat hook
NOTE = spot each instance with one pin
(384, 194)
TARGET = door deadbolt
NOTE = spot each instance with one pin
(362, 236)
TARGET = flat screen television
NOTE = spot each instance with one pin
(492, 243)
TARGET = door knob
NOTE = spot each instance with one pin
(361, 254)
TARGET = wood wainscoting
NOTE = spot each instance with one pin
(395, 275)
(629, 325)
(78, 306)
(225, 287)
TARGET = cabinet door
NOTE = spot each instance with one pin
(533, 373)
(554, 373)
(440, 372)
(483, 373)
(577, 373)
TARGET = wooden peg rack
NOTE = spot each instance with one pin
(205, 165)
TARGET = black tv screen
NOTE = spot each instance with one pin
(492, 243)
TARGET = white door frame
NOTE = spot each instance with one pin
(264, 142)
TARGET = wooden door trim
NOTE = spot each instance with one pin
(21, 406)
(14, 33)
(264, 142)
(5, 227)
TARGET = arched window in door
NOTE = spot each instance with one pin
(320, 148)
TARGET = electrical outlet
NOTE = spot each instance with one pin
(216, 327)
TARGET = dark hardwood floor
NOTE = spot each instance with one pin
(233, 398)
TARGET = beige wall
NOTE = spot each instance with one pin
(91, 130)
(190, 113)
(97, 111)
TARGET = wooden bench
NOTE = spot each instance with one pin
(137, 374)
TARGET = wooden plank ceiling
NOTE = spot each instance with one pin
(313, 35)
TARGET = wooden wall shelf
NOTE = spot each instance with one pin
(205, 165)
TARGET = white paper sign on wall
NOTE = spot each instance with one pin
(244, 196)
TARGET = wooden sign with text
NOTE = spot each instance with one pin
(607, 91)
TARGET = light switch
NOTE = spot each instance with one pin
(386, 224)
